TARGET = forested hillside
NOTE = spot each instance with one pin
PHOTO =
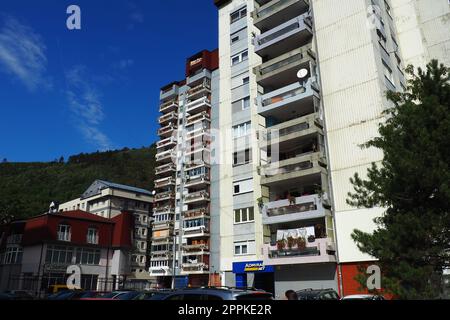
(26, 189)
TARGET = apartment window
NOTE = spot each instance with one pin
(242, 157)
(68, 255)
(388, 73)
(238, 58)
(246, 80)
(242, 129)
(245, 103)
(243, 186)
(13, 255)
(237, 15)
(244, 215)
(244, 248)
(234, 39)
(64, 232)
(92, 236)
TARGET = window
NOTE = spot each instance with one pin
(242, 129)
(243, 186)
(245, 103)
(237, 15)
(234, 39)
(242, 157)
(92, 236)
(246, 80)
(244, 215)
(13, 255)
(388, 73)
(69, 255)
(239, 57)
(244, 247)
(64, 232)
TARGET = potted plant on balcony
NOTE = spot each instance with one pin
(290, 242)
(281, 245)
(301, 243)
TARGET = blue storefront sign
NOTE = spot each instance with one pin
(251, 266)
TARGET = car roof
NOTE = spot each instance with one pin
(360, 296)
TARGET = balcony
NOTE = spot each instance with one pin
(194, 267)
(282, 71)
(165, 169)
(162, 225)
(169, 117)
(195, 249)
(164, 182)
(293, 168)
(203, 131)
(199, 117)
(319, 251)
(167, 142)
(199, 90)
(196, 164)
(201, 146)
(298, 128)
(167, 130)
(164, 196)
(164, 210)
(197, 181)
(169, 92)
(199, 196)
(196, 213)
(169, 106)
(160, 271)
(276, 12)
(193, 232)
(166, 156)
(301, 208)
(285, 37)
(198, 105)
(294, 98)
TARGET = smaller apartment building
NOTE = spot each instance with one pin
(35, 253)
(108, 200)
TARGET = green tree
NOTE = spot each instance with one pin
(412, 183)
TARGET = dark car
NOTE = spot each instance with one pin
(5, 296)
(317, 294)
(20, 295)
(67, 295)
(217, 293)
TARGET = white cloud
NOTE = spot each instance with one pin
(22, 54)
(85, 105)
(125, 63)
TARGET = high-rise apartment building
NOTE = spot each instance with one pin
(293, 91)
(181, 243)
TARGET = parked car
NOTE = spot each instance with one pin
(317, 294)
(216, 293)
(67, 295)
(20, 295)
(114, 295)
(5, 296)
(363, 297)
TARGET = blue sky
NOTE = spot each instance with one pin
(65, 92)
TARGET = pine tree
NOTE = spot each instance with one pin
(412, 241)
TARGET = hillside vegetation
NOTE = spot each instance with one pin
(26, 189)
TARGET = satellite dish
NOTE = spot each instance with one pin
(302, 73)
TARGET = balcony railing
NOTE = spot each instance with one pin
(290, 31)
(196, 213)
(195, 164)
(197, 180)
(198, 231)
(165, 196)
(198, 104)
(203, 116)
(293, 168)
(319, 251)
(167, 130)
(171, 141)
(193, 248)
(168, 106)
(165, 155)
(172, 116)
(164, 209)
(195, 267)
(203, 88)
(204, 131)
(289, 95)
(164, 182)
(296, 209)
(276, 11)
(196, 196)
(170, 167)
(198, 147)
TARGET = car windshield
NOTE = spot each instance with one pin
(128, 295)
(158, 296)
